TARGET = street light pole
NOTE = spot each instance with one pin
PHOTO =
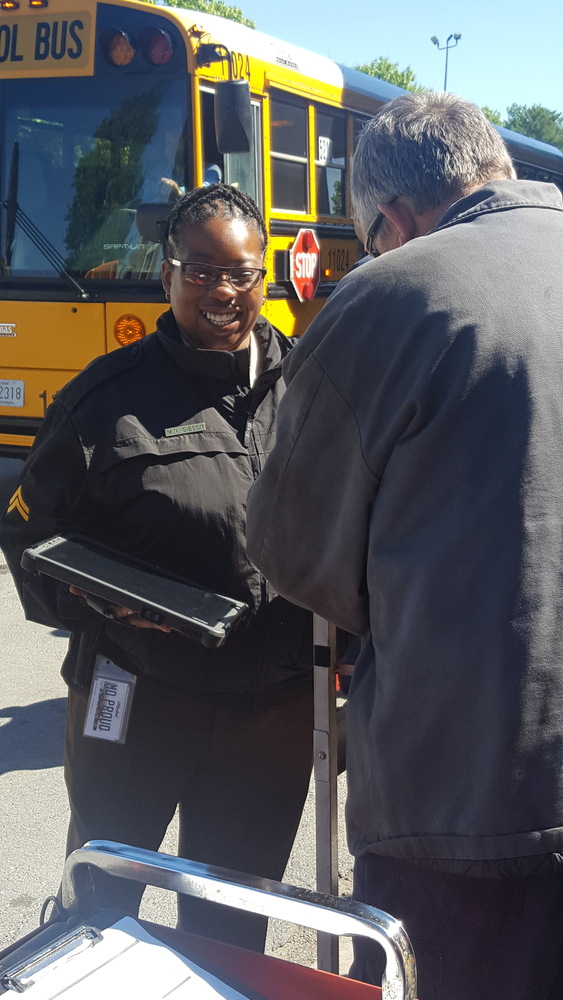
(447, 48)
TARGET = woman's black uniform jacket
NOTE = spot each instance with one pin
(152, 449)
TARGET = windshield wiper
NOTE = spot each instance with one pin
(10, 205)
(15, 214)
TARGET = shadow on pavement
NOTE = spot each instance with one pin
(32, 736)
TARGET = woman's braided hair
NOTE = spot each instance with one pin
(213, 201)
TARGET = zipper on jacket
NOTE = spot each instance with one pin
(255, 466)
(250, 446)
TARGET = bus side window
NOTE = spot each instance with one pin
(526, 172)
(288, 136)
(357, 126)
(331, 162)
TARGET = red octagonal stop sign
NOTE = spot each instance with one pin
(305, 264)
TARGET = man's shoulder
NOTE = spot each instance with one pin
(269, 334)
(501, 196)
(372, 315)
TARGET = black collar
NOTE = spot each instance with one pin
(222, 366)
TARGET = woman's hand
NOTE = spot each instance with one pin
(119, 613)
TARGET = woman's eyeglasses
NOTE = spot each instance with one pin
(208, 275)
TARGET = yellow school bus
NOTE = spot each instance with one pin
(108, 113)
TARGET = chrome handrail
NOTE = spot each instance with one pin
(330, 914)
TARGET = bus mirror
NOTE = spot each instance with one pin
(233, 117)
(151, 219)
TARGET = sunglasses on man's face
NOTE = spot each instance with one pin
(371, 234)
(374, 229)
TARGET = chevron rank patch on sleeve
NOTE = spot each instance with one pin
(18, 503)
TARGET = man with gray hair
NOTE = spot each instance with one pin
(415, 497)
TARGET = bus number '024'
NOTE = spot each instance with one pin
(338, 260)
(241, 66)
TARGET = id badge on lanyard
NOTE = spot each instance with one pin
(109, 704)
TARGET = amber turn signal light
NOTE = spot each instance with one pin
(117, 47)
(127, 329)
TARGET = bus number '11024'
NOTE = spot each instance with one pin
(338, 260)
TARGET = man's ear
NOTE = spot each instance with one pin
(402, 217)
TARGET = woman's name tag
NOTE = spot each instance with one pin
(109, 704)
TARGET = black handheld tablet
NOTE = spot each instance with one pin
(112, 576)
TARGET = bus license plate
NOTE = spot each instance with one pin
(11, 392)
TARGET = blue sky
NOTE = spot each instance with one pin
(509, 52)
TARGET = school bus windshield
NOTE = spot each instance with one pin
(78, 156)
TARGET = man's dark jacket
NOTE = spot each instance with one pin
(418, 469)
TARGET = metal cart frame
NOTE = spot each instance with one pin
(324, 913)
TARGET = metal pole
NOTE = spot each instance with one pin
(435, 41)
(326, 773)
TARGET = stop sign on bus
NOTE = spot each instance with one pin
(305, 264)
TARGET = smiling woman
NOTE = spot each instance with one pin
(213, 264)
(152, 451)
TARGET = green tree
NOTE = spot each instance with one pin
(493, 116)
(384, 69)
(217, 7)
(536, 122)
